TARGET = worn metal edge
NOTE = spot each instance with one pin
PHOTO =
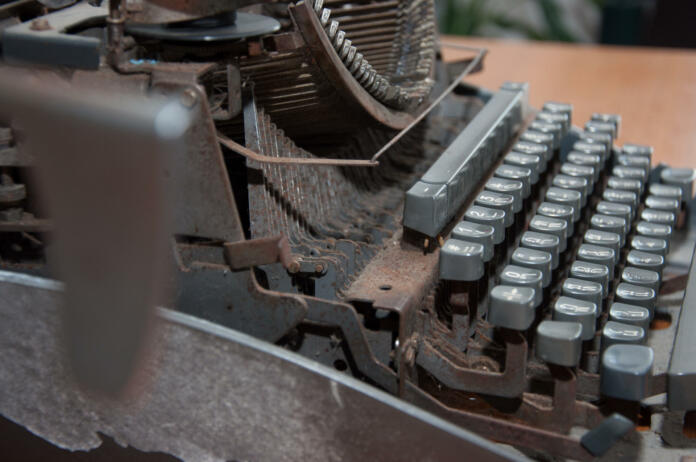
(232, 335)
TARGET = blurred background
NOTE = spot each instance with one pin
(669, 23)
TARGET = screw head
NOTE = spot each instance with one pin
(189, 97)
(40, 24)
(294, 267)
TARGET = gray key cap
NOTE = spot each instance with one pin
(637, 150)
(515, 86)
(617, 333)
(657, 230)
(594, 147)
(597, 138)
(626, 372)
(612, 119)
(575, 310)
(561, 108)
(504, 186)
(625, 184)
(650, 244)
(530, 161)
(658, 216)
(604, 239)
(512, 172)
(544, 242)
(544, 139)
(488, 216)
(572, 183)
(641, 277)
(665, 190)
(599, 255)
(512, 307)
(621, 197)
(609, 224)
(601, 127)
(682, 177)
(513, 275)
(579, 171)
(426, 207)
(494, 200)
(560, 212)
(555, 118)
(588, 160)
(630, 314)
(631, 173)
(476, 232)
(663, 203)
(634, 161)
(461, 261)
(550, 129)
(605, 435)
(568, 197)
(535, 149)
(535, 259)
(559, 342)
(591, 272)
(646, 260)
(584, 290)
(554, 226)
(616, 210)
(636, 295)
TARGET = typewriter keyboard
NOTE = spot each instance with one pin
(566, 243)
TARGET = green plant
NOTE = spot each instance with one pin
(469, 18)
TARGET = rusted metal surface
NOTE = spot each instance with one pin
(501, 430)
(469, 66)
(398, 278)
(333, 217)
(235, 299)
(403, 86)
(201, 190)
(344, 316)
(225, 395)
(510, 383)
(354, 95)
(261, 251)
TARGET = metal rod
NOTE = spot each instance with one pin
(115, 25)
(255, 156)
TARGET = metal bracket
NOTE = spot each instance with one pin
(45, 40)
(262, 251)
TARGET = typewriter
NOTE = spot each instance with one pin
(265, 230)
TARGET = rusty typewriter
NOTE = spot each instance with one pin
(266, 230)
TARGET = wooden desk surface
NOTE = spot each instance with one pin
(654, 90)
